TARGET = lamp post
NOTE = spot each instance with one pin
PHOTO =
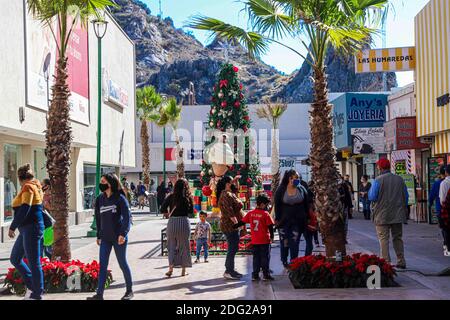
(100, 26)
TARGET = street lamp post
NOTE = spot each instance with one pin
(100, 26)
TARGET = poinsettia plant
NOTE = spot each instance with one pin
(56, 275)
(318, 271)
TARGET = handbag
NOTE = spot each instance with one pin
(48, 219)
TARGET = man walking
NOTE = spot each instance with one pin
(389, 196)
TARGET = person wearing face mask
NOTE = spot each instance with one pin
(113, 218)
(291, 216)
(231, 214)
(29, 219)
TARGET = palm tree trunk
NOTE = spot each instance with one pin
(145, 153)
(58, 141)
(324, 171)
(179, 157)
(275, 166)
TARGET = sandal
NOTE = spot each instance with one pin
(169, 274)
(184, 273)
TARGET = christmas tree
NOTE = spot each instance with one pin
(229, 112)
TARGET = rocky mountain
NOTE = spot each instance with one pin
(169, 59)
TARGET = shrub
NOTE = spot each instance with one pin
(314, 272)
(56, 274)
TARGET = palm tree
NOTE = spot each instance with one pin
(65, 15)
(272, 112)
(342, 24)
(171, 115)
(148, 103)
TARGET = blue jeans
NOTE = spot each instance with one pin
(121, 254)
(261, 259)
(233, 247)
(290, 242)
(203, 242)
(28, 244)
(366, 208)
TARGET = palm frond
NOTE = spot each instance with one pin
(255, 43)
(268, 17)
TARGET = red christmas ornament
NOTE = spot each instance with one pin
(245, 128)
(241, 86)
(232, 168)
(223, 83)
(237, 104)
(224, 104)
(246, 118)
(206, 190)
(219, 123)
(249, 181)
(242, 96)
(235, 69)
(243, 166)
(238, 173)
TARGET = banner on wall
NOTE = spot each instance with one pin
(411, 185)
(400, 167)
(368, 140)
(385, 60)
(41, 57)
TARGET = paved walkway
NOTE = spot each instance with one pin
(205, 281)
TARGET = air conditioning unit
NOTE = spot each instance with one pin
(427, 140)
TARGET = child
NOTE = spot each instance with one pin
(202, 235)
(261, 225)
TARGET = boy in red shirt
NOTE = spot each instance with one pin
(261, 224)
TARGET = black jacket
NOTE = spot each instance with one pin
(281, 210)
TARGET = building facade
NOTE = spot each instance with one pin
(432, 32)
(25, 88)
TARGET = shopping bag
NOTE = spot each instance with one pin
(48, 237)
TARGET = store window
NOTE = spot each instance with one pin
(12, 157)
(89, 184)
(39, 163)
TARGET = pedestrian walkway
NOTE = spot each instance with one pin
(205, 280)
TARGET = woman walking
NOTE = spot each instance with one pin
(231, 214)
(364, 195)
(28, 218)
(177, 207)
(113, 217)
(291, 216)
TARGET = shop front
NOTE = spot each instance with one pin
(404, 151)
(432, 89)
(359, 133)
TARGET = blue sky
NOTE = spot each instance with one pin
(400, 27)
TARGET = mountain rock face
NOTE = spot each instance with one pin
(169, 59)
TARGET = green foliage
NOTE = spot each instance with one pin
(69, 13)
(148, 103)
(170, 114)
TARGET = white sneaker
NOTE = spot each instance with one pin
(446, 253)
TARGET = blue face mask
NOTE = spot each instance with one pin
(296, 182)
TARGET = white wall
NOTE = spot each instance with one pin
(294, 135)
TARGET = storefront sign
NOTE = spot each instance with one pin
(367, 109)
(370, 159)
(400, 167)
(410, 182)
(288, 163)
(434, 165)
(115, 94)
(384, 60)
(401, 135)
(368, 140)
(444, 100)
(41, 57)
